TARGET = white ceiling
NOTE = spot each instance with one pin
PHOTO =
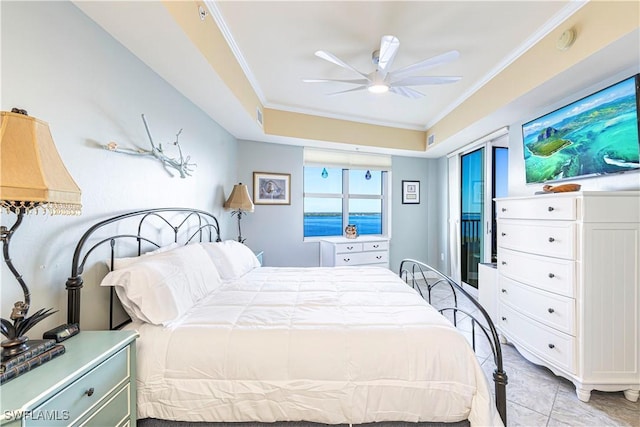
(278, 41)
(275, 42)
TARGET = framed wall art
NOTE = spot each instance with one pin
(410, 192)
(271, 188)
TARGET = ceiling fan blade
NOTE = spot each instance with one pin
(423, 65)
(407, 92)
(388, 48)
(348, 90)
(351, 81)
(335, 60)
(426, 80)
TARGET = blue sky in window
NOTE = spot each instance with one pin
(332, 184)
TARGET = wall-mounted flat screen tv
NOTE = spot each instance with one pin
(596, 135)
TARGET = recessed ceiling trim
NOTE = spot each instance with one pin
(542, 32)
(226, 33)
(343, 117)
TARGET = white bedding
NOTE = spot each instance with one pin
(329, 345)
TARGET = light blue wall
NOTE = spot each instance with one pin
(278, 230)
(64, 69)
(414, 227)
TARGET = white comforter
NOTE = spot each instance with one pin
(329, 345)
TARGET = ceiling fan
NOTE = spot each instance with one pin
(382, 79)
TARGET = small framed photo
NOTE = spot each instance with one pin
(411, 192)
(271, 188)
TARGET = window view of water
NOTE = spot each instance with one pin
(325, 192)
(330, 224)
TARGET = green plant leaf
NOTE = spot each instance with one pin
(7, 329)
(23, 325)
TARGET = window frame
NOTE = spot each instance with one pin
(385, 198)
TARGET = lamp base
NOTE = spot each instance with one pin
(14, 347)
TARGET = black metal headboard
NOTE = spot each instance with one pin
(186, 225)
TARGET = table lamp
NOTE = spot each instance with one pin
(33, 179)
(239, 202)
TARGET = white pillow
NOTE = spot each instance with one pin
(162, 287)
(119, 263)
(232, 259)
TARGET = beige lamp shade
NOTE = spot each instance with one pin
(239, 199)
(32, 174)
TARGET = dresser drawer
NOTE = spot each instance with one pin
(551, 274)
(362, 258)
(553, 238)
(553, 310)
(555, 347)
(344, 248)
(375, 246)
(546, 208)
(115, 412)
(98, 382)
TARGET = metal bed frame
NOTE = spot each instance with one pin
(185, 225)
(415, 272)
(201, 225)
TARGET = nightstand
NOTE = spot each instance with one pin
(259, 256)
(92, 384)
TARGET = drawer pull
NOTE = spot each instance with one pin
(376, 246)
(504, 318)
(550, 208)
(504, 262)
(552, 346)
(504, 291)
(350, 248)
(551, 310)
(551, 240)
(89, 392)
(378, 256)
(346, 259)
(551, 275)
(503, 234)
(504, 209)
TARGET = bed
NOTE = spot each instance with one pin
(224, 340)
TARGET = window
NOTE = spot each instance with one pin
(336, 197)
(322, 202)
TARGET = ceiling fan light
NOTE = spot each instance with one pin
(378, 88)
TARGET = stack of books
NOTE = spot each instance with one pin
(39, 352)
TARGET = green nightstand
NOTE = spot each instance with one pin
(93, 384)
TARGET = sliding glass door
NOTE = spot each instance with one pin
(472, 185)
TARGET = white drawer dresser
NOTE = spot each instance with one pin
(568, 296)
(363, 250)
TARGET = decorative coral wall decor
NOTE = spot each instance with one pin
(182, 164)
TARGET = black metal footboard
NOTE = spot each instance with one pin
(415, 273)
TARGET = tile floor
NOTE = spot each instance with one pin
(538, 398)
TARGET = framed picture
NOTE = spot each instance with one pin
(271, 188)
(411, 192)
